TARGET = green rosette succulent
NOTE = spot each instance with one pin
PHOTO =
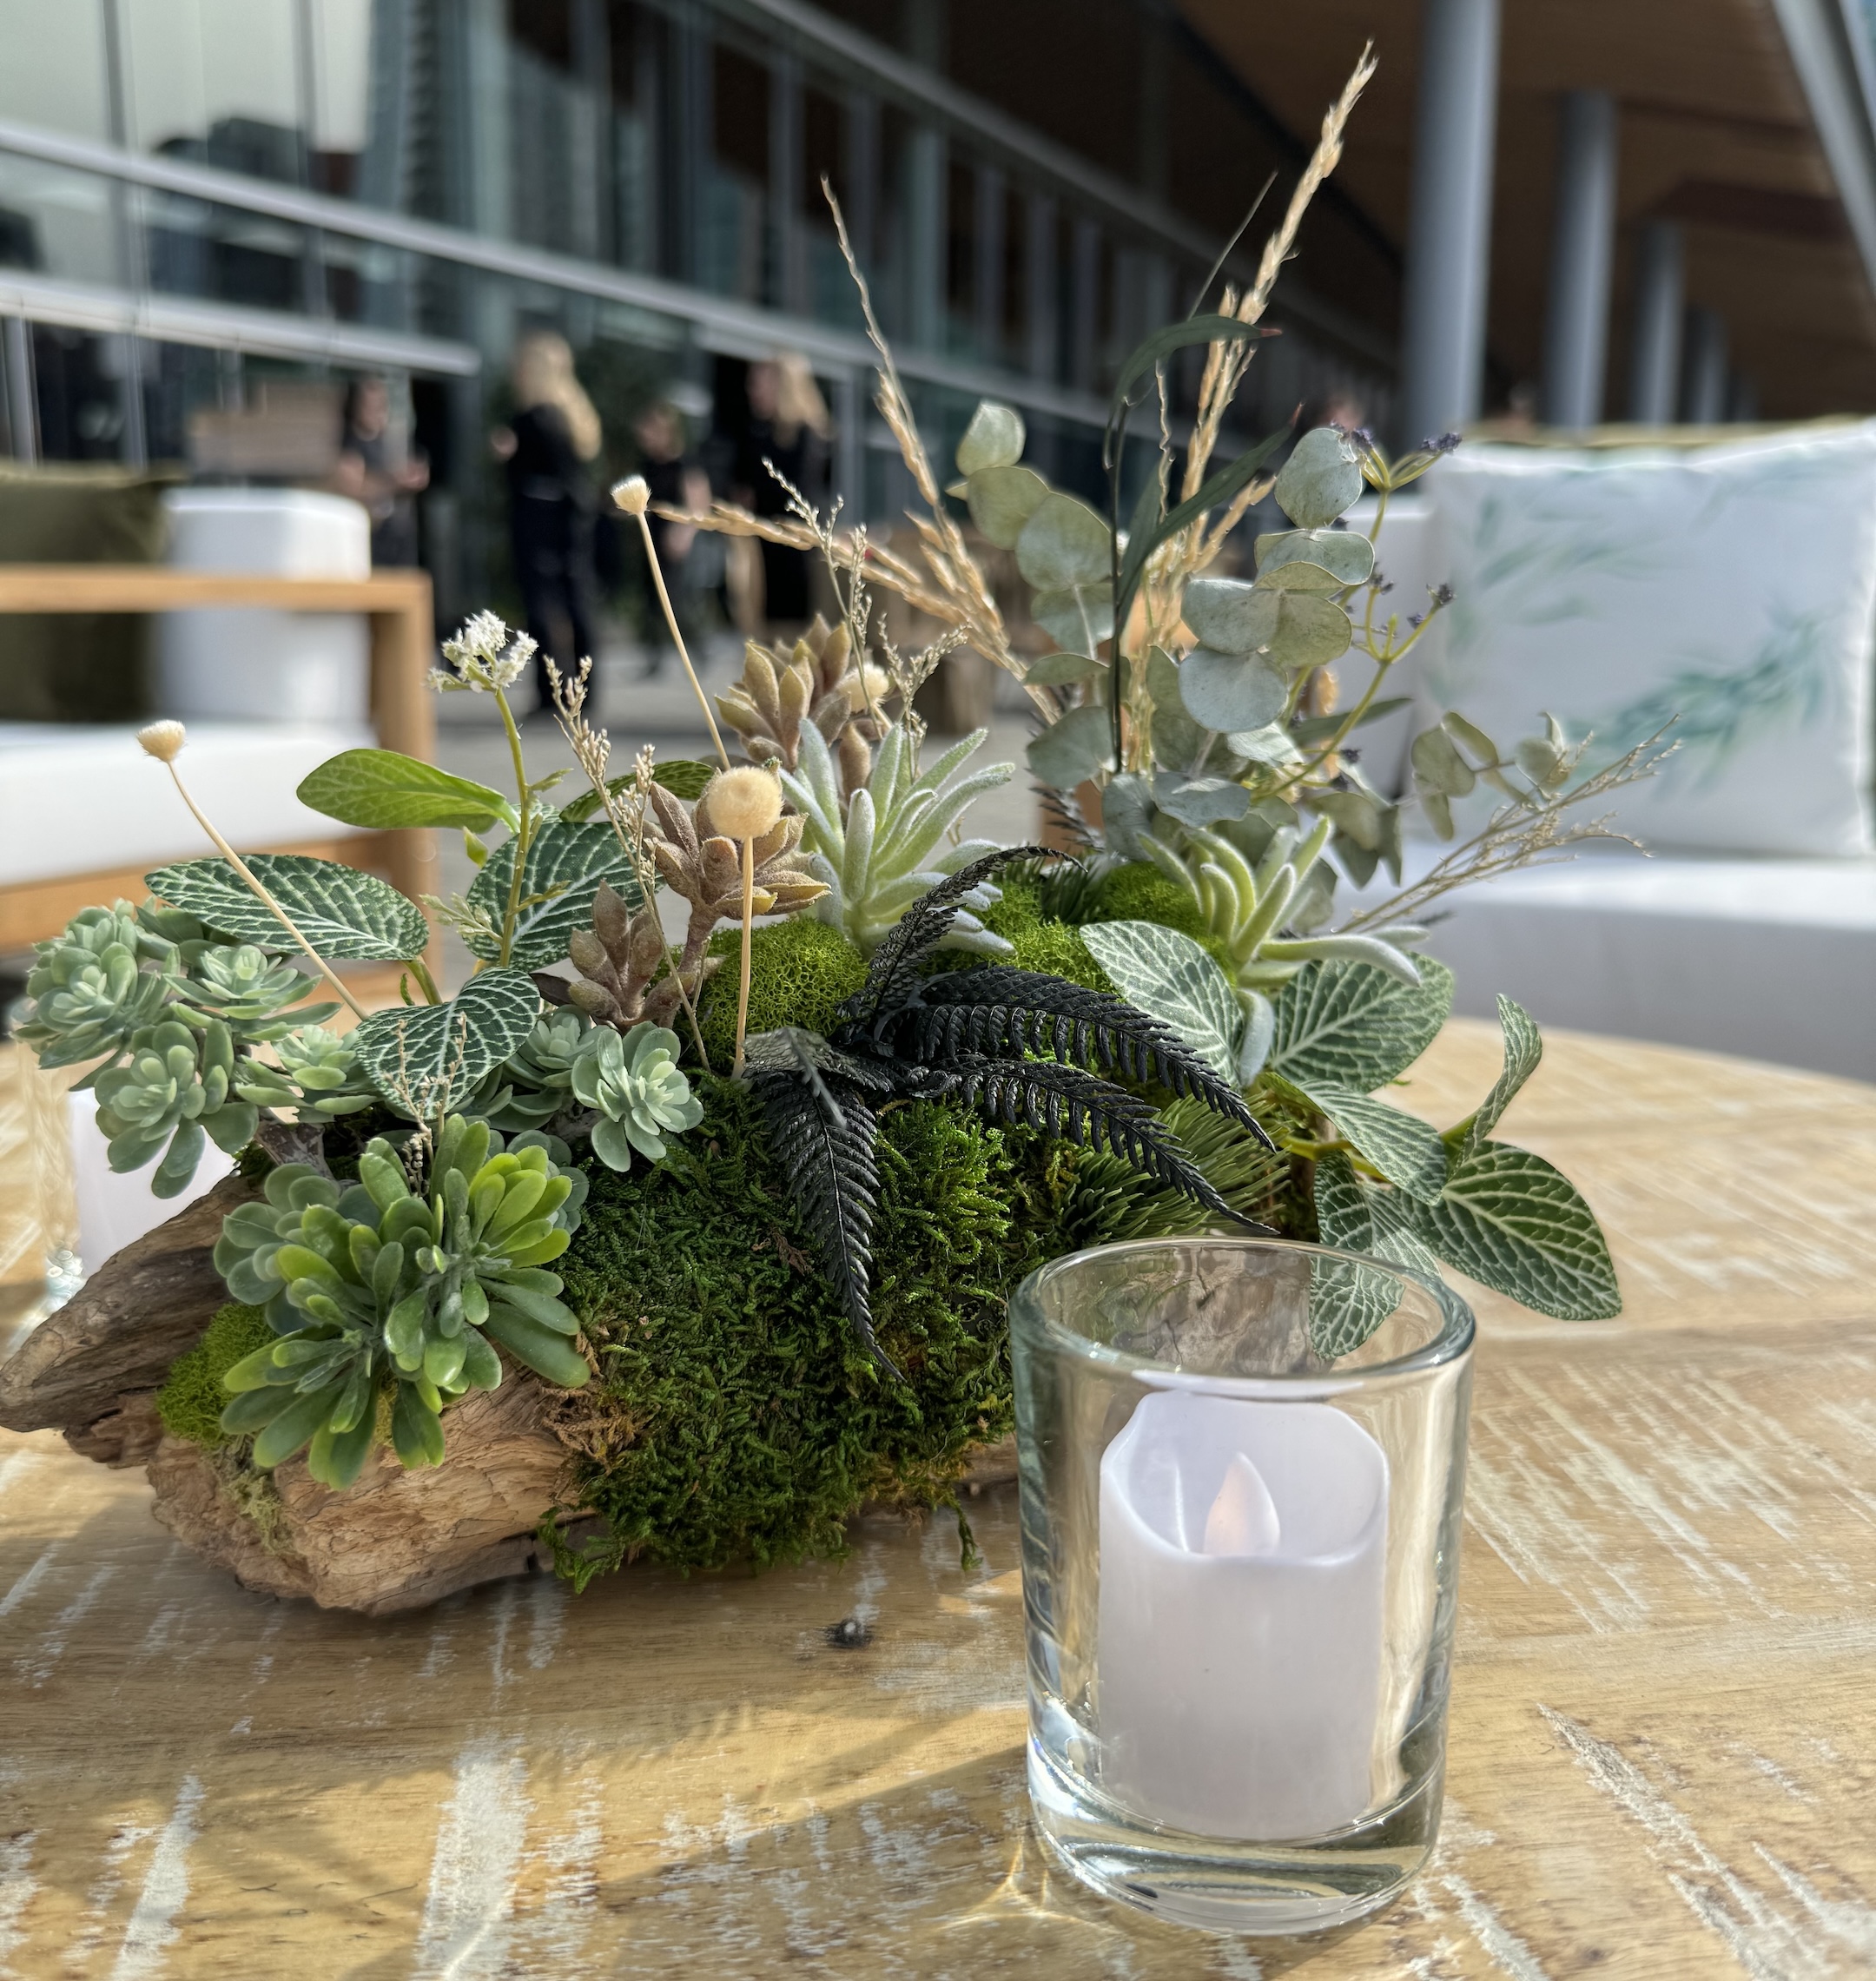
(316, 1078)
(248, 989)
(176, 1088)
(640, 1094)
(536, 1082)
(109, 977)
(372, 1287)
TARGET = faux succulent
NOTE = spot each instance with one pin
(884, 848)
(617, 965)
(816, 684)
(173, 1094)
(314, 1077)
(111, 973)
(1013, 1044)
(374, 1290)
(637, 1090)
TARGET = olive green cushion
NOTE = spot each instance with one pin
(77, 667)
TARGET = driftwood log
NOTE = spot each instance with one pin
(397, 1540)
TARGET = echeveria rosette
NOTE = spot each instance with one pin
(107, 977)
(536, 1082)
(176, 1088)
(639, 1093)
(372, 1286)
(248, 989)
(315, 1077)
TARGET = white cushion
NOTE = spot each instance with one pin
(1732, 585)
(1770, 960)
(81, 798)
(1410, 553)
(247, 663)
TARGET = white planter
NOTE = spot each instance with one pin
(256, 665)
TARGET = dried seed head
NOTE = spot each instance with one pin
(163, 741)
(743, 804)
(633, 495)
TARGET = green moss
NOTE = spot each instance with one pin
(192, 1399)
(736, 1417)
(1040, 942)
(799, 971)
(1139, 892)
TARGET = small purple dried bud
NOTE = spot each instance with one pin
(1440, 443)
(1443, 595)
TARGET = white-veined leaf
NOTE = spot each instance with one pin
(1406, 1151)
(346, 916)
(1523, 1049)
(410, 1051)
(1169, 977)
(565, 864)
(1512, 1221)
(1353, 1025)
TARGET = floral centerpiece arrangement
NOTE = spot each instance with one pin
(739, 1205)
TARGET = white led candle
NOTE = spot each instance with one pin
(1243, 1551)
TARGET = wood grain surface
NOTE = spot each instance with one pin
(1662, 1760)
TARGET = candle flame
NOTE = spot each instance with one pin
(1243, 1519)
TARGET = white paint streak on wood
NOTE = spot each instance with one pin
(1237, 1962)
(1497, 1941)
(126, 1834)
(1769, 1943)
(500, 1623)
(547, 1616)
(23, 1587)
(153, 1927)
(555, 1935)
(18, 1889)
(470, 1904)
(40, 1667)
(14, 1467)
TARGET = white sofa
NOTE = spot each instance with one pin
(1770, 958)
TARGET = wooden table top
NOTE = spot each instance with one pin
(1663, 1752)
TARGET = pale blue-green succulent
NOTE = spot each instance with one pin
(637, 1090)
(316, 1078)
(892, 841)
(176, 1088)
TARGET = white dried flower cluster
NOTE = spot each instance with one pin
(484, 656)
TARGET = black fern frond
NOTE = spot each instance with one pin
(993, 1009)
(894, 972)
(823, 1130)
(1082, 1107)
(1066, 819)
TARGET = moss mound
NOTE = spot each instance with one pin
(191, 1400)
(800, 970)
(1040, 942)
(736, 1417)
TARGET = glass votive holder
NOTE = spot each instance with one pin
(1242, 1463)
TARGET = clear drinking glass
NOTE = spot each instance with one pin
(1240, 1561)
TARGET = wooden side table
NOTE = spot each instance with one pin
(398, 606)
(1662, 1754)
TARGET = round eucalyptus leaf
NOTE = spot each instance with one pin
(1273, 745)
(1002, 500)
(1346, 555)
(1300, 629)
(1320, 479)
(1072, 750)
(1201, 801)
(1230, 691)
(1226, 613)
(1127, 812)
(1063, 543)
(1072, 618)
(1056, 670)
(1176, 736)
(1299, 576)
(994, 439)
(1438, 765)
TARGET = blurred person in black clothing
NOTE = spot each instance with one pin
(679, 482)
(789, 426)
(547, 450)
(377, 470)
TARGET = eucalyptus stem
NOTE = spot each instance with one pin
(511, 913)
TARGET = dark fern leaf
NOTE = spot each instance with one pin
(993, 1009)
(894, 972)
(823, 1132)
(1058, 811)
(1082, 1107)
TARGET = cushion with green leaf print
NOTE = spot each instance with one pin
(1730, 589)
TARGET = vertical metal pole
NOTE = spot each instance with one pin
(23, 394)
(860, 144)
(1581, 249)
(927, 26)
(1084, 323)
(1448, 235)
(1654, 362)
(1043, 333)
(988, 241)
(689, 146)
(132, 269)
(788, 273)
(592, 149)
(1704, 390)
(850, 414)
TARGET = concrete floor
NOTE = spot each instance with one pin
(662, 711)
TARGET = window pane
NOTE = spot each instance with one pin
(52, 70)
(215, 81)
